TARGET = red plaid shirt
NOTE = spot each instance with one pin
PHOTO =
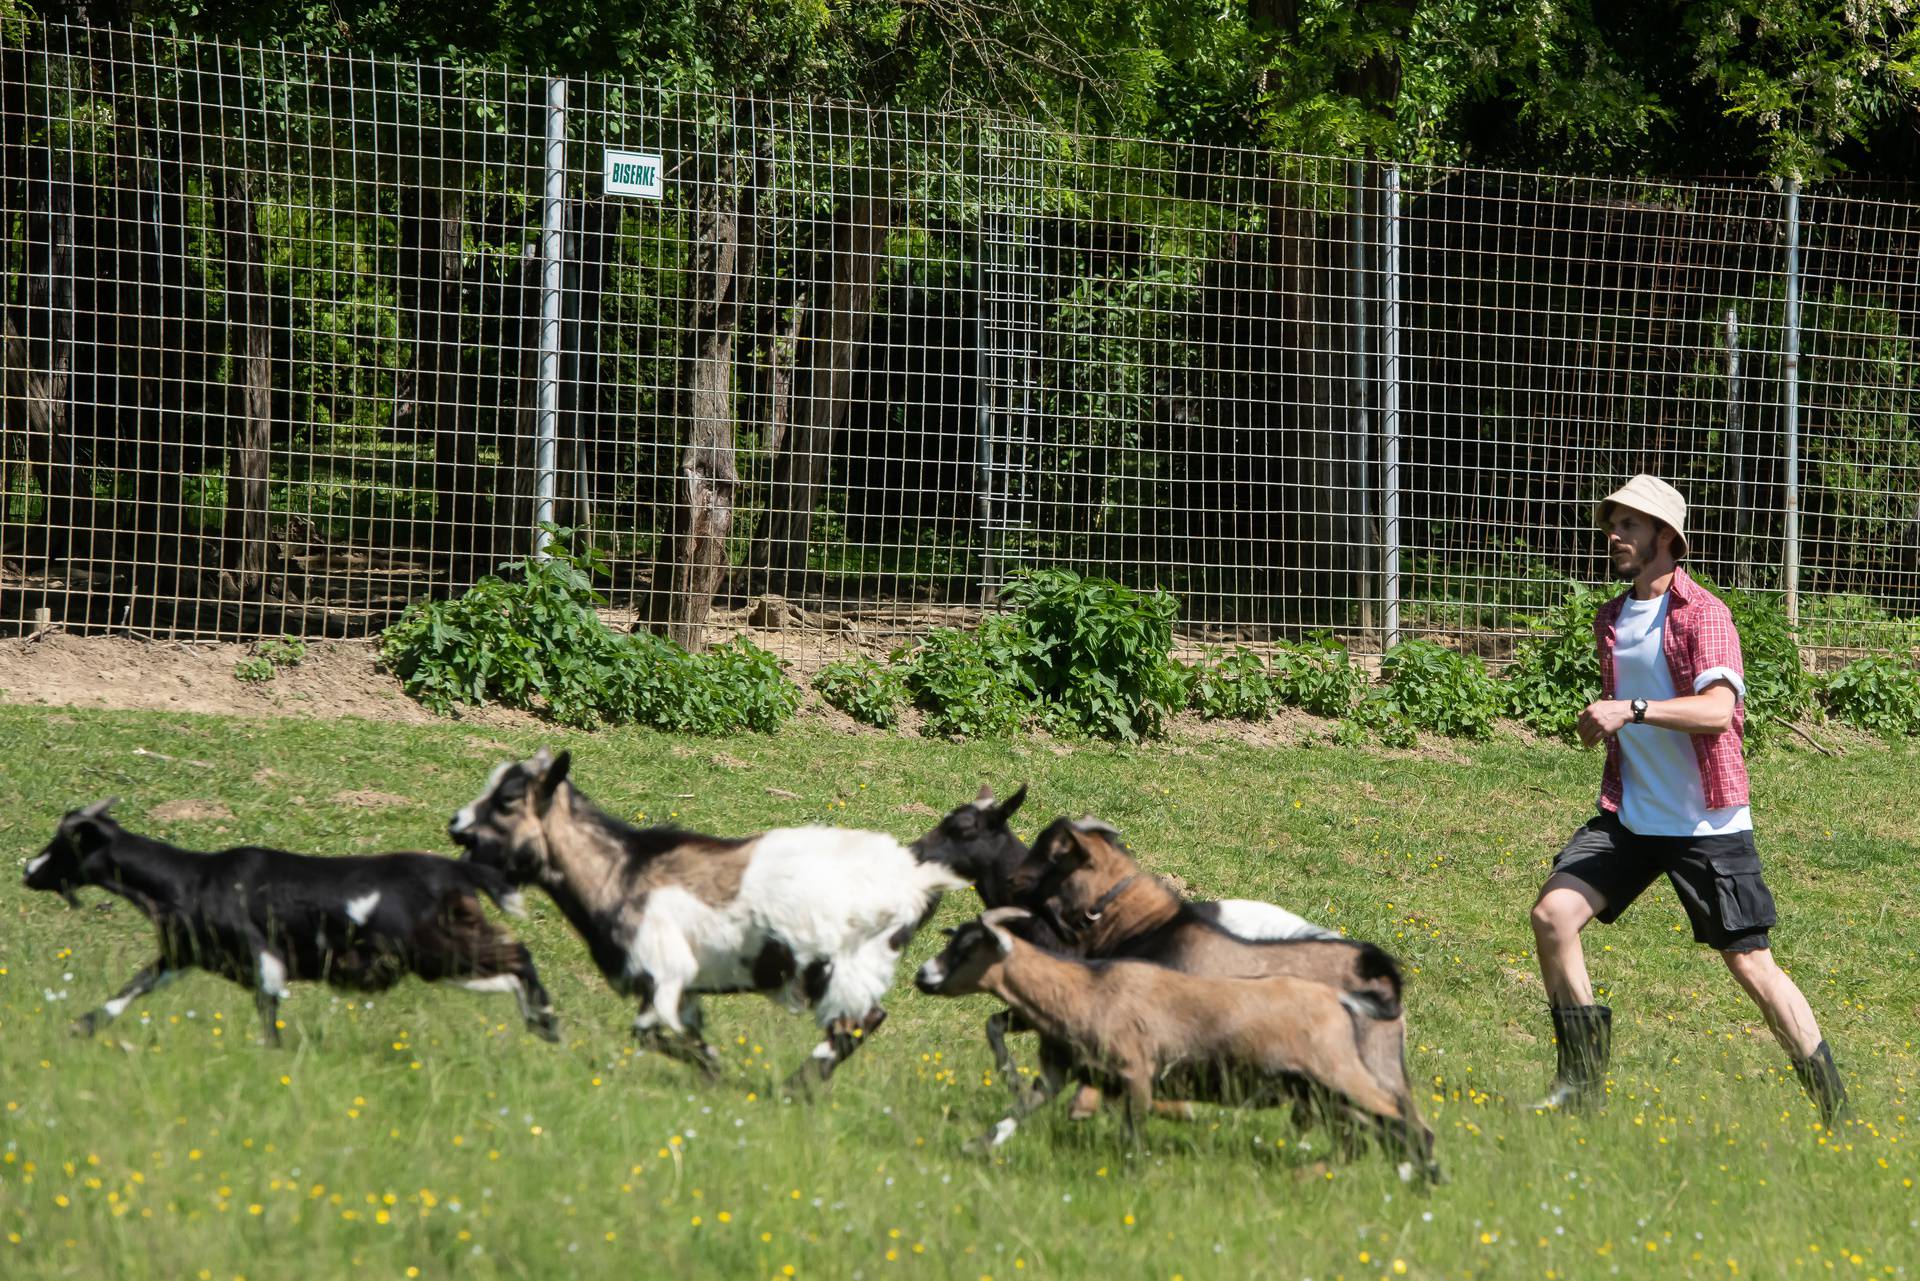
(1699, 636)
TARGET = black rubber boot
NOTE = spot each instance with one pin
(1584, 1035)
(1821, 1080)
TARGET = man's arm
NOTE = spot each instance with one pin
(1708, 712)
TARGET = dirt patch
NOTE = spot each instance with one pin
(340, 678)
(336, 678)
(190, 811)
(368, 800)
(1288, 727)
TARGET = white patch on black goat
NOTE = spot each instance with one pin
(35, 864)
(359, 909)
(1259, 922)
(273, 975)
(494, 983)
(513, 903)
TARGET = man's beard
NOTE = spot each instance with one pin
(1627, 568)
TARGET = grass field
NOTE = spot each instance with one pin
(422, 1134)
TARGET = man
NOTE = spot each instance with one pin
(1673, 799)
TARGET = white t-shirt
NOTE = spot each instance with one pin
(1661, 793)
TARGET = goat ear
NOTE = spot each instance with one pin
(1006, 808)
(556, 774)
(996, 922)
(1088, 823)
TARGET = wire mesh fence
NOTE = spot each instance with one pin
(294, 338)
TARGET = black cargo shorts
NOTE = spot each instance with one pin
(1717, 878)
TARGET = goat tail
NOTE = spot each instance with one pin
(935, 879)
(1380, 982)
(490, 882)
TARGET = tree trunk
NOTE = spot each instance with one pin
(433, 236)
(834, 337)
(250, 417)
(683, 588)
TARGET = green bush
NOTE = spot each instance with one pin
(537, 643)
(1555, 671)
(968, 683)
(1097, 654)
(1438, 689)
(268, 657)
(1376, 718)
(253, 670)
(1236, 686)
(1318, 675)
(1881, 694)
(864, 690)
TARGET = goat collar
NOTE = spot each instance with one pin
(1105, 901)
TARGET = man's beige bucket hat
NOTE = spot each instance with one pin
(1653, 497)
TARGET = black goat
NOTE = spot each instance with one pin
(262, 917)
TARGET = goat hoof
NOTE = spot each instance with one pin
(84, 1026)
(546, 1030)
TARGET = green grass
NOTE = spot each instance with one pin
(175, 1146)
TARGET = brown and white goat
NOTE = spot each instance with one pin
(1079, 877)
(1137, 1026)
(264, 917)
(811, 916)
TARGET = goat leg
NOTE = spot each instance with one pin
(1138, 1084)
(157, 973)
(998, 1025)
(844, 1036)
(1055, 1063)
(269, 985)
(536, 1005)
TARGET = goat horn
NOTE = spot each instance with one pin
(1088, 823)
(999, 916)
(99, 808)
(986, 795)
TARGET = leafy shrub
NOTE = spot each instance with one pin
(1319, 675)
(288, 651)
(537, 642)
(1438, 689)
(1234, 686)
(1881, 694)
(268, 657)
(968, 683)
(864, 690)
(1096, 653)
(1376, 717)
(253, 670)
(1555, 671)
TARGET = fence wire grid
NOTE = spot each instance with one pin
(292, 339)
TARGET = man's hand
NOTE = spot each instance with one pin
(1603, 719)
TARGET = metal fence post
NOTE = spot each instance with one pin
(1390, 404)
(1790, 571)
(1357, 388)
(552, 253)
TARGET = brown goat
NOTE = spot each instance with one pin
(1080, 876)
(1245, 1041)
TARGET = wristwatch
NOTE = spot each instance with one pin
(1639, 711)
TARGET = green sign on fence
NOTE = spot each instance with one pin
(632, 173)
